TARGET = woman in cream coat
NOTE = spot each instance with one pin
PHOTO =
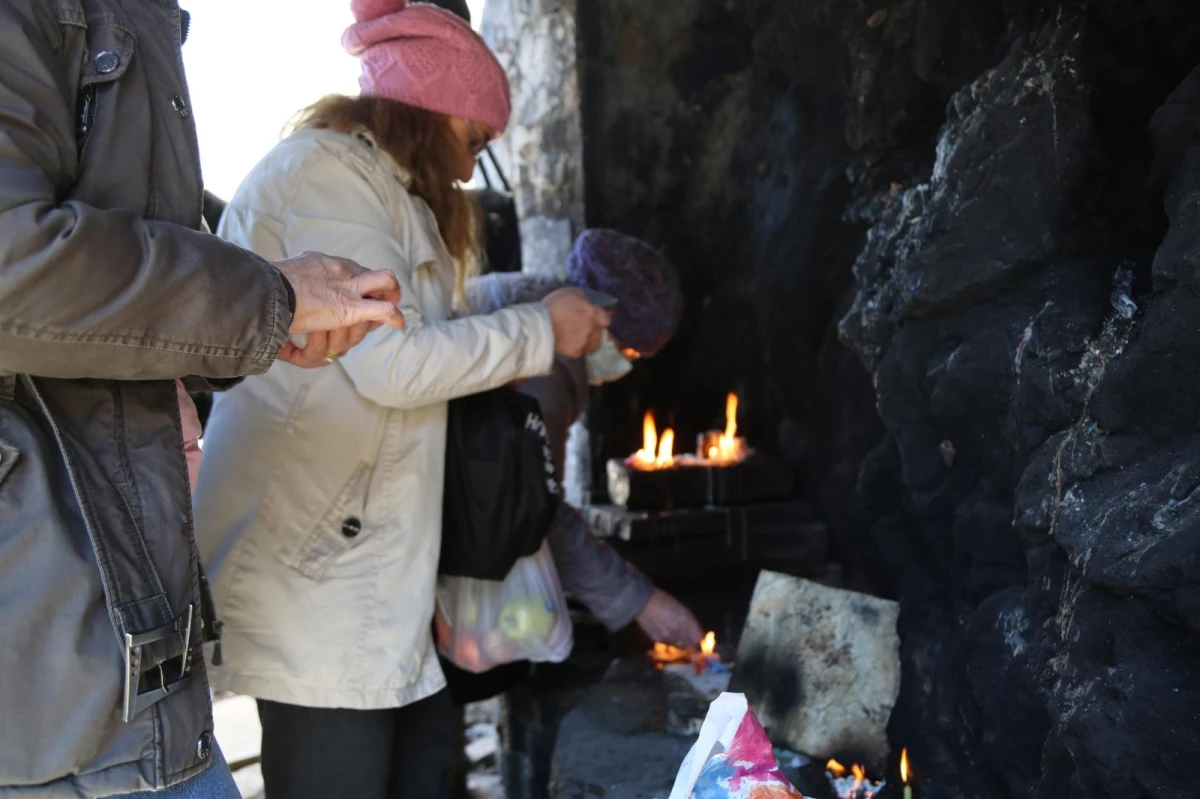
(319, 503)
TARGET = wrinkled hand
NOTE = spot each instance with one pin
(666, 619)
(578, 325)
(322, 348)
(336, 294)
(338, 303)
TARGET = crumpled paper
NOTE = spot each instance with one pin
(732, 758)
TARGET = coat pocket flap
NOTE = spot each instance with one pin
(338, 529)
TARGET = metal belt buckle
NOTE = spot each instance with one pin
(143, 690)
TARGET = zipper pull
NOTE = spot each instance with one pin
(86, 112)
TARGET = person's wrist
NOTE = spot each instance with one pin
(291, 293)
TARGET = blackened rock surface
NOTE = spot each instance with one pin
(1042, 410)
(996, 205)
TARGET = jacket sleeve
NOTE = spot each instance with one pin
(497, 290)
(592, 572)
(88, 292)
(338, 211)
(590, 569)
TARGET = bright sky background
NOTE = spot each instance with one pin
(251, 64)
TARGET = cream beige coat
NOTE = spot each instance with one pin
(320, 498)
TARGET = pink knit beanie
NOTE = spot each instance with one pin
(427, 57)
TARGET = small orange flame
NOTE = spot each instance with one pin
(646, 456)
(860, 775)
(666, 450)
(904, 765)
(666, 653)
(655, 453)
(709, 643)
(727, 449)
(835, 768)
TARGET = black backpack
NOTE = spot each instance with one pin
(500, 489)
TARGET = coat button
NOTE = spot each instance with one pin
(204, 745)
(352, 527)
(180, 106)
(106, 61)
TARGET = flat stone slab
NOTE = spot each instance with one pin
(821, 668)
(614, 744)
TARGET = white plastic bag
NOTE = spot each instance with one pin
(481, 624)
(732, 758)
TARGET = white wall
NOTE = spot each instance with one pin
(251, 64)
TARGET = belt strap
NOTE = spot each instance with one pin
(155, 641)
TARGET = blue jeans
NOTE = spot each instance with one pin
(215, 783)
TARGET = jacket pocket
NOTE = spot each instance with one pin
(338, 530)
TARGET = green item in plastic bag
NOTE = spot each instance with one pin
(526, 619)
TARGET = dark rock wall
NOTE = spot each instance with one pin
(993, 207)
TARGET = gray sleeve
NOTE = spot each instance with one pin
(591, 571)
(497, 290)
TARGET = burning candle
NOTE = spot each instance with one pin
(707, 658)
(724, 448)
(647, 455)
(852, 786)
(666, 449)
(904, 773)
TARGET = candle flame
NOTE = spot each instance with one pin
(835, 768)
(666, 450)
(709, 643)
(655, 453)
(666, 653)
(646, 455)
(904, 765)
(727, 449)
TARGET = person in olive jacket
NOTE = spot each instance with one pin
(113, 304)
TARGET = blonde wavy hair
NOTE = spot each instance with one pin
(423, 143)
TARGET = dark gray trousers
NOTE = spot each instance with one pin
(319, 753)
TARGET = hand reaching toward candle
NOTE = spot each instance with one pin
(666, 619)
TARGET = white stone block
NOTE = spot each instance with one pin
(821, 667)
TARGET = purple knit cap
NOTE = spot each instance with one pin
(644, 282)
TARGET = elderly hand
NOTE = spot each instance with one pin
(335, 294)
(666, 619)
(338, 303)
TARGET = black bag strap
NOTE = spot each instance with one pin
(487, 179)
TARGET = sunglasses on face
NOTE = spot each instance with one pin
(477, 139)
